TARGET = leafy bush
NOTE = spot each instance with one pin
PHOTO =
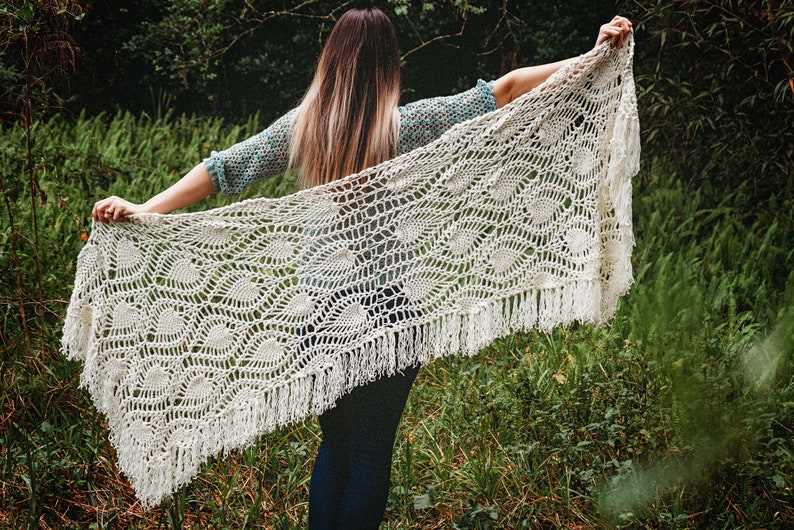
(717, 94)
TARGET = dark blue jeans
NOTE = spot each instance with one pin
(351, 477)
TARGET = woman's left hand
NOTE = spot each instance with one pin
(615, 32)
(114, 209)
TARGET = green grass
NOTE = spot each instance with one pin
(678, 414)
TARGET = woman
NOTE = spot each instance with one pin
(349, 120)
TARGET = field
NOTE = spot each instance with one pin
(678, 414)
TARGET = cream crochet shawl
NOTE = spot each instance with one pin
(199, 332)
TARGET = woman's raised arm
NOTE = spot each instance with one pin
(520, 81)
(193, 187)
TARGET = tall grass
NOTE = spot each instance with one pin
(678, 414)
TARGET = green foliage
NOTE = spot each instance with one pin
(235, 58)
(36, 47)
(678, 414)
(709, 284)
(226, 56)
(717, 93)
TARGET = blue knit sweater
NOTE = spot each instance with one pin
(267, 153)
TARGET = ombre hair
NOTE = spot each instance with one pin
(348, 119)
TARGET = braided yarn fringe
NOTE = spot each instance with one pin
(200, 332)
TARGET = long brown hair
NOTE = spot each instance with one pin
(348, 120)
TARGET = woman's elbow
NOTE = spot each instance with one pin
(503, 89)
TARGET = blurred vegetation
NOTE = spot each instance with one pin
(679, 414)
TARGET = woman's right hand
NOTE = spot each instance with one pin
(615, 31)
(114, 209)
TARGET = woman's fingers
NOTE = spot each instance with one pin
(98, 211)
(624, 26)
(615, 31)
(111, 209)
(617, 40)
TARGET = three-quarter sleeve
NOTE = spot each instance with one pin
(267, 153)
(423, 121)
(252, 160)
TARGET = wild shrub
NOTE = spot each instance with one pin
(716, 94)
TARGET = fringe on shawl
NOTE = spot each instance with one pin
(623, 163)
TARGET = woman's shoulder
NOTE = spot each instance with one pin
(481, 95)
(425, 120)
